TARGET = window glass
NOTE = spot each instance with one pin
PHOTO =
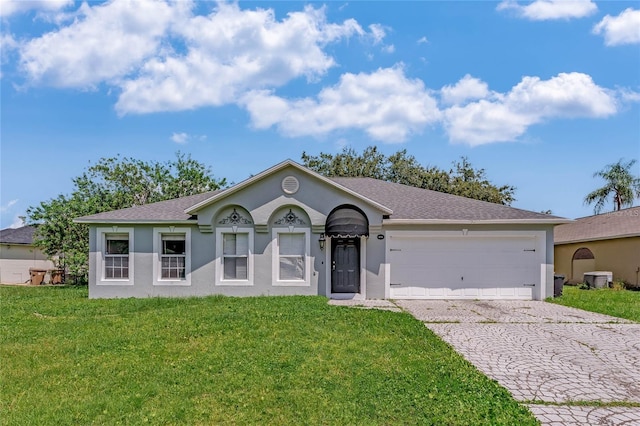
(291, 244)
(173, 247)
(291, 256)
(235, 253)
(116, 267)
(235, 244)
(172, 259)
(116, 257)
(235, 268)
(291, 268)
(117, 245)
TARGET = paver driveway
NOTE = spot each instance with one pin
(542, 352)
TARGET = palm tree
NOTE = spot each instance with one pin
(620, 183)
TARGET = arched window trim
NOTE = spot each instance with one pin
(583, 253)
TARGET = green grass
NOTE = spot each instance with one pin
(215, 360)
(618, 303)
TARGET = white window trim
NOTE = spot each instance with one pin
(157, 249)
(101, 248)
(220, 281)
(275, 258)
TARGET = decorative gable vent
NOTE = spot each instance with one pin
(290, 185)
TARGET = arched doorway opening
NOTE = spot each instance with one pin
(346, 226)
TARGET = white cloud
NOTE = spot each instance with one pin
(390, 48)
(629, 96)
(104, 43)
(621, 29)
(163, 57)
(468, 88)
(384, 104)
(12, 7)
(541, 10)
(7, 43)
(183, 137)
(423, 40)
(7, 206)
(180, 138)
(18, 222)
(230, 52)
(505, 117)
(378, 32)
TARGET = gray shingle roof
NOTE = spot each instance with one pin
(170, 210)
(408, 202)
(22, 235)
(623, 223)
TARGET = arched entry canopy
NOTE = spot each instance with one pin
(347, 222)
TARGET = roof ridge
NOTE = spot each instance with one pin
(608, 213)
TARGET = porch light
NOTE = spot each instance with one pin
(322, 241)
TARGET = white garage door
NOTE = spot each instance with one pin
(469, 267)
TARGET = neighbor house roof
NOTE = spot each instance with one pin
(618, 224)
(22, 235)
(400, 204)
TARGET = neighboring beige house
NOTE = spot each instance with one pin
(604, 242)
(289, 230)
(18, 255)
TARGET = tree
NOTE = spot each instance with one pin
(112, 183)
(405, 169)
(348, 163)
(469, 182)
(620, 184)
(402, 168)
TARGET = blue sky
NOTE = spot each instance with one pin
(540, 94)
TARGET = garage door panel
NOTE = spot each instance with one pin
(476, 267)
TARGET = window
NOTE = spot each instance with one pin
(172, 256)
(234, 260)
(235, 252)
(291, 257)
(114, 256)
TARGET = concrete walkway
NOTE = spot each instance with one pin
(548, 356)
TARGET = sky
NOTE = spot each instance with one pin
(539, 94)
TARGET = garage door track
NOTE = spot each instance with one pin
(570, 366)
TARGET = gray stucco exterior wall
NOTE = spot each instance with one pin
(262, 207)
(264, 203)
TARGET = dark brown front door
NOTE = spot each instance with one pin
(345, 265)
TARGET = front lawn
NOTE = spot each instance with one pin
(618, 303)
(216, 360)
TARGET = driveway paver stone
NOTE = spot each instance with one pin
(542, 352)
(580, 416)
